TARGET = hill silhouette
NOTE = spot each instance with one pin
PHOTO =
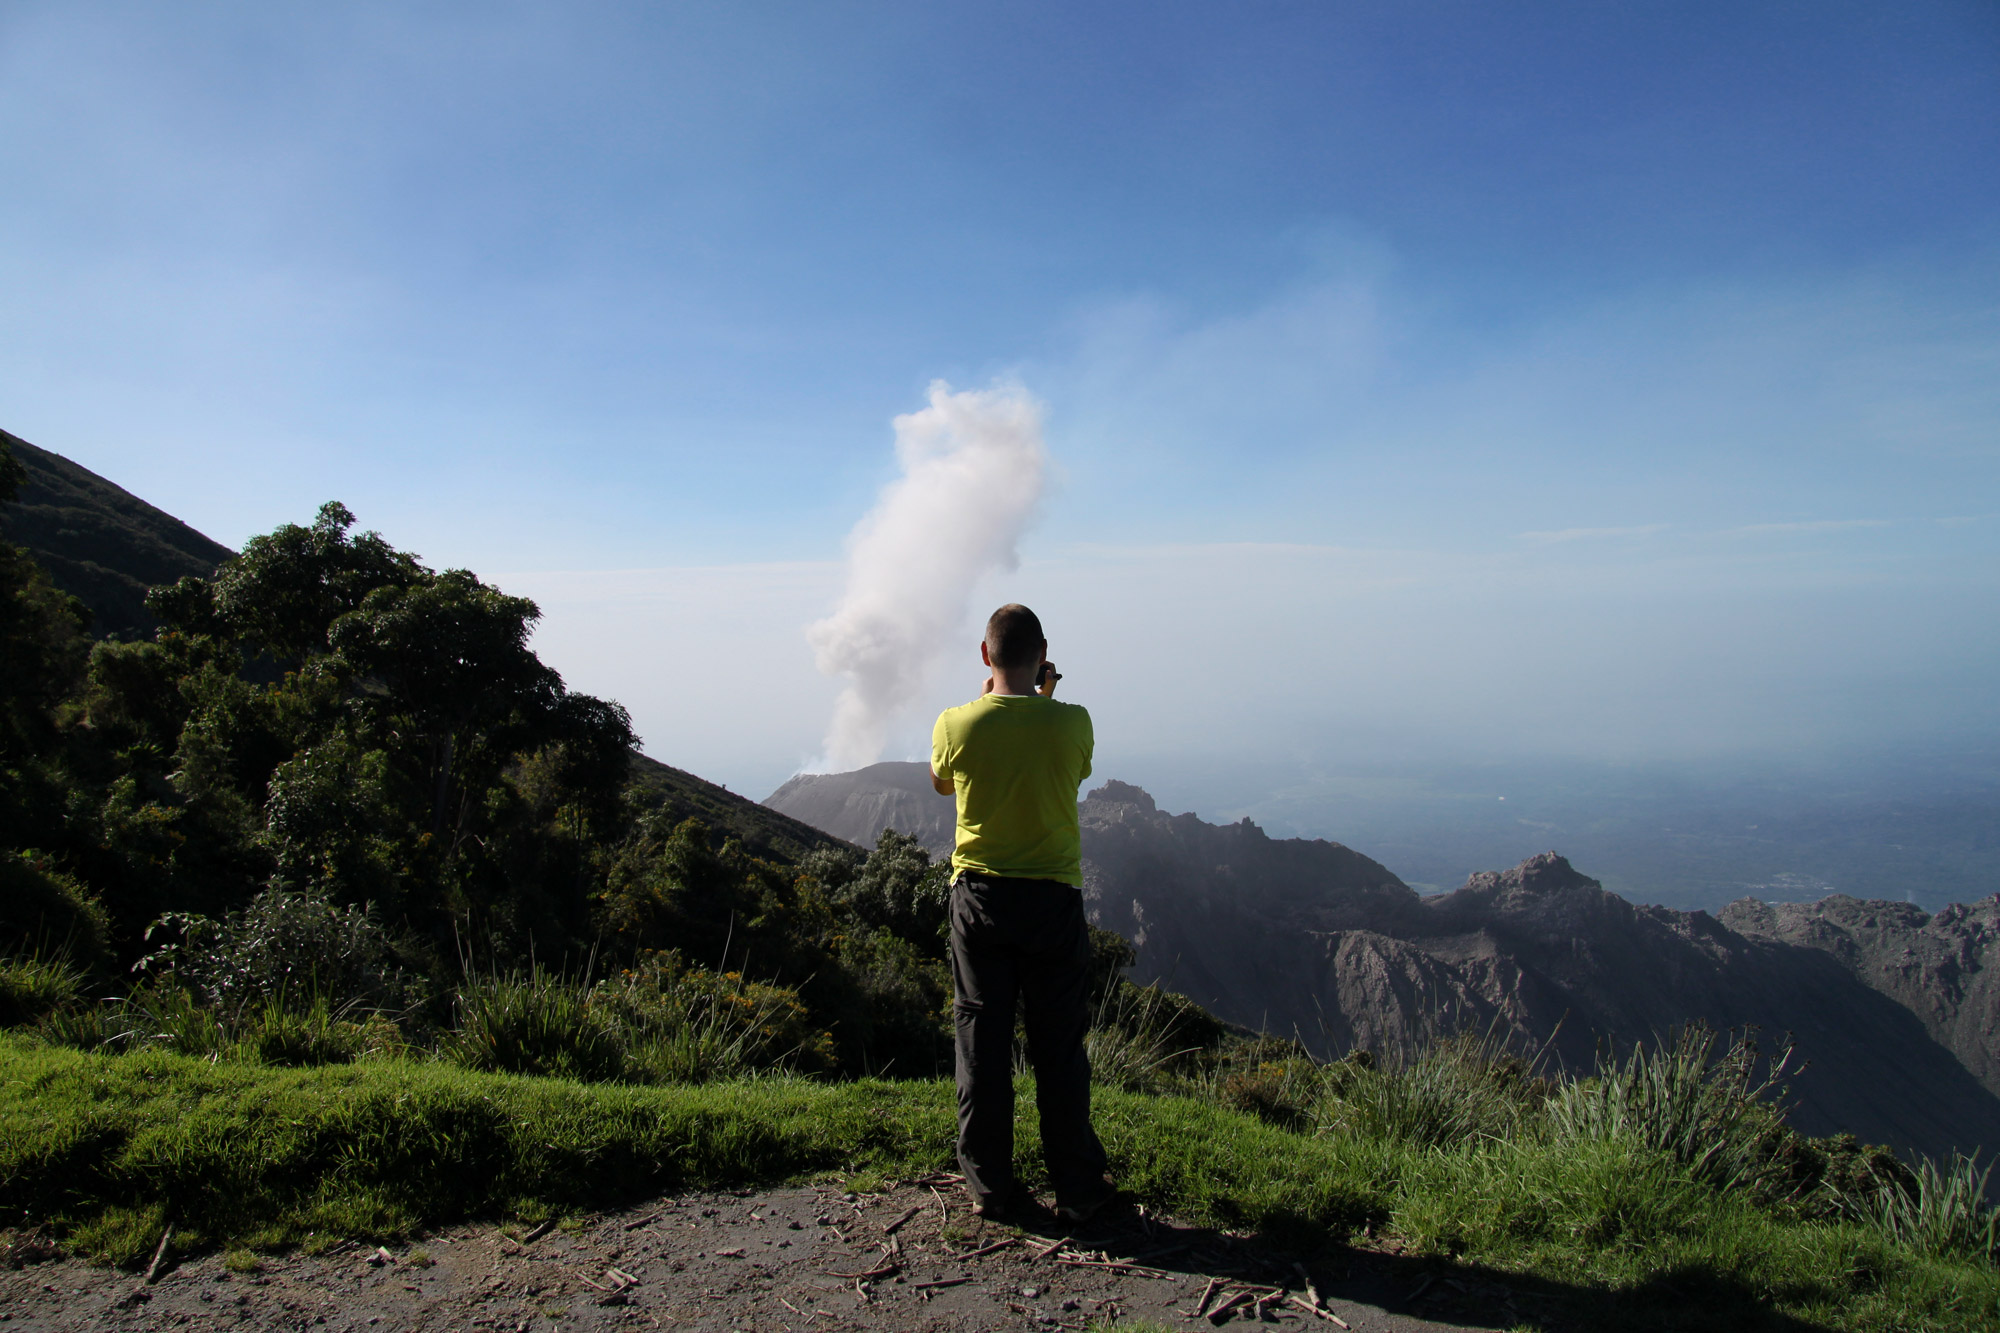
(99, 542)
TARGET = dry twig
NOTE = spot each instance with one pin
(159, 1257)
(1314, 1307)
(884, 1271)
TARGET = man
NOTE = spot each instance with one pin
(1014, 758)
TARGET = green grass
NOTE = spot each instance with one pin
(108, 1149)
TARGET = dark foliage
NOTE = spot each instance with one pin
(97, 541)
(336, 773)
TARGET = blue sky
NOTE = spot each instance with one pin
(1577, 378)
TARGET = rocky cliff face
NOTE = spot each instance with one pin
(1944, 968)
(1893, 1011)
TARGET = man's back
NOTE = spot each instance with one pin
(1016, 762)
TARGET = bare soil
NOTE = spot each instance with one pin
(911, 1259)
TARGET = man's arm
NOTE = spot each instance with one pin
(942, 786)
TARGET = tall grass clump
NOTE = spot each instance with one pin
(535, 1022)
(1145, 1039)
(33, 987)
(1448, 1091)
(1713, 1113)
(661, 1022)
(1937, 1210)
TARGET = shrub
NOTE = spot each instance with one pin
(43, 911)
(282, 943)
(688, 1025)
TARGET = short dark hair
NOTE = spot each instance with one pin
(1014, 636)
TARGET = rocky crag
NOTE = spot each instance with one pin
(1943, 967)
(1893, 1012)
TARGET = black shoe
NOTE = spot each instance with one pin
(1082, 1210)
(994, 1207)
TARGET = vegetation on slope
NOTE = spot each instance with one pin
(98, 541)
(328, 726)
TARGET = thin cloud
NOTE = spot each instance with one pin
(1816, 525)
(1588, 534)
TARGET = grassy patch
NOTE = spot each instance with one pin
(110, 1149)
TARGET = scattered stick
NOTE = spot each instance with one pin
(1314, 1307)
(988, 1249)
(1421, 1288)
(941, 1282)
(159, 1257)
(1201, 1306)
(1235, 1299)
(944, 1213)
(1052, 1247)
(1116, 1265)
(649, 1217)
(588, 1283)
(890, 1230)
(883, 1271)
(621, 1277)
(540, 1230)
(1312, 1292)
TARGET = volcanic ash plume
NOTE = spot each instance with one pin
(972, 471)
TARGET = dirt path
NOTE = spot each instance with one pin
(790, 1261)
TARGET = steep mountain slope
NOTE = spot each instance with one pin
(857, 806)
(99, 541)
(765, 832)
(1310, 937)
(1944, 968)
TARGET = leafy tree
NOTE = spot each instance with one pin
(288, 587)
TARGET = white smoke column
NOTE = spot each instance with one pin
(973, 465)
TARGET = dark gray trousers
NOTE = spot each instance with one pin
(1022, 943)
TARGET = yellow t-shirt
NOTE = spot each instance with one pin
(1017, 761)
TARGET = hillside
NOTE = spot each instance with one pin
(859, 805)
(99, 541)
(1307, 937)
(762, 831)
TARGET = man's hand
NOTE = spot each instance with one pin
(1047, 688)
